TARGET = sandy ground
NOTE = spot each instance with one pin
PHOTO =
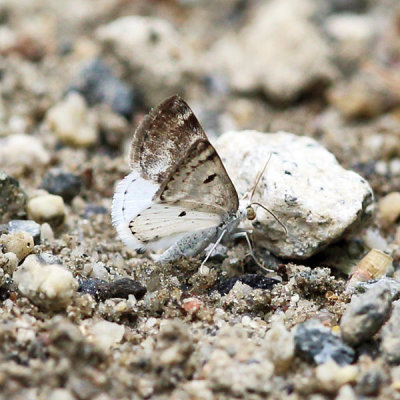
(170, 332)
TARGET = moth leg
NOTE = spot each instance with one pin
(189, 246)
(253, 256)
(212, 249)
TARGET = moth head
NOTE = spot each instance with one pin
(250, 213)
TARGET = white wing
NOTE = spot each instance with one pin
(141, 223)
(160, 220)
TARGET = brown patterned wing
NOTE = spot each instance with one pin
(200, 182)
(197, 195)
(166, 133)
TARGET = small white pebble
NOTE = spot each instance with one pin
(106, 334)
(47, 208)
(332, 376)
(73, 122)
(99, 271)
(46, 232)
(394, 166)
(381, 167)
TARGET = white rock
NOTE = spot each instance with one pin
(99, 271)
(8, 39)
(332, 376)
(227, 374)
(157, 54)
(61, 394)
(374, 240)
(346, 392)
(279, 345)
(49, 285)
(46, 232)
(279, 51)
(22, 151)
(72, 121)
(47, 208)
(106, 334)
(303, 185)
(20, 243)
(353, 34)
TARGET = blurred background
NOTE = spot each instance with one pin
(79, 75)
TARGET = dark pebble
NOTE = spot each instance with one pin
(6, 289)
(316, 343)
(349, 5)
(370, 382)
(97, 84)
(255, 281)
(62, 183)
(21, 225)
(120, 288)
(12, 199)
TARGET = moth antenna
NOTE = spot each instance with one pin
(259, 175)
(273, 215)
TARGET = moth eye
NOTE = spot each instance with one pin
(251, 214)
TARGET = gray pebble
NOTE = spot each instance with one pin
(366, 314)
(218, 254)
(349, 5)
(393, 285)
(20, 225)
(315, 342)
(391, 336)
(97, 84)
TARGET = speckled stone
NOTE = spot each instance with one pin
(366, 314)
(315, 342)
(391, 336)
(303, 185)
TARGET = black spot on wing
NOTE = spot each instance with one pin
(182, 214)
(210, 178)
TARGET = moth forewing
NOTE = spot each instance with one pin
(179, 194)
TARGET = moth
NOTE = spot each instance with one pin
(178, 197)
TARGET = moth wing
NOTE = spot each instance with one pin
(200, 182)
(174, 166)
(161, 223)
(163, 136)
